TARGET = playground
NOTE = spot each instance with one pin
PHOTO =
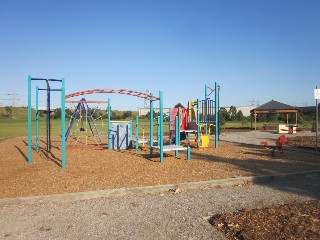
(97, 169)
(93, 152)
(89, 151)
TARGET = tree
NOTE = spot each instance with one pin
(232, 113)
(41, 114)
(9, 111)
(223, 115)
(57, 113)
(154, 114)
(127, 114)
(239, 116)
(245, 121)
(68, 113)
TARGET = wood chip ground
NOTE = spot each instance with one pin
(97, 169)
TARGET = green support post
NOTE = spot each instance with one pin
(109, 124)
(216, 87)
(170, 124)
(158, 128)
(176, 153)
(151, 123)
(130, 137)
(29, 122)
(161, 125)
(189, 153)
(63, 124)
(198, 121)
(37, 119)
(205, 108)
(137, 133)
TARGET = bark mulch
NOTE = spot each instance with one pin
(99, 169)
(288, 221)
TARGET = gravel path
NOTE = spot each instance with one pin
(181, 215)
(255, 137)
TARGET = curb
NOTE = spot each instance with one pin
(119, 192)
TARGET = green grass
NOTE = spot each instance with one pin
(19, 127)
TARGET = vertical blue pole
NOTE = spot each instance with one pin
(130, 137)
(177, 131)
(198, 121)
(179, 125)
(151, 123)
(63, 123)
(48, 119)
(37, 119)
(29, 122)
(206, 107)
(109, 124)
(317, 120)
(205, 92)
(170, 122)
(158, 128)
(161, 125)
(137, 133)
(216, 109)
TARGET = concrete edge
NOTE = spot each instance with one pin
(119, 192)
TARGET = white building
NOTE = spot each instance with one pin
(144, 111)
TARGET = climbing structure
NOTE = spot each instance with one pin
(205, 113)
(160, 146)
(87, 125)
(48, 89)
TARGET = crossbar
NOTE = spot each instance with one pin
(44, 79)
(133, 93)
(50, 89)
(85, 101)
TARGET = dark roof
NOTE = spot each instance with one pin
(309, 109)
(274, 105)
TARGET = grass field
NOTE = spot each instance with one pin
(19, 127)
(16, 126)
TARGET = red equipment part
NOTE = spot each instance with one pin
(183, 118)
(280, 141)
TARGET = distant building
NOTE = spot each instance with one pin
(245, 110)
(144, 111)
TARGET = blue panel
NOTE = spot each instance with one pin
(120, 135)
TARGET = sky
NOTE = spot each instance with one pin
(257, 50)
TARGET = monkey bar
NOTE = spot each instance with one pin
(133, 93)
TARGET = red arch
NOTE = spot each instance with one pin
(133, 93)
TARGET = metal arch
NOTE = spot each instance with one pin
(133, 93)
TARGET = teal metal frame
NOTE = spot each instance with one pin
(37, 118)
(109, 123)
(63, 143)
(204, 113)
(151, 123)
(161, 126)
(130, 136)
(137, 133)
